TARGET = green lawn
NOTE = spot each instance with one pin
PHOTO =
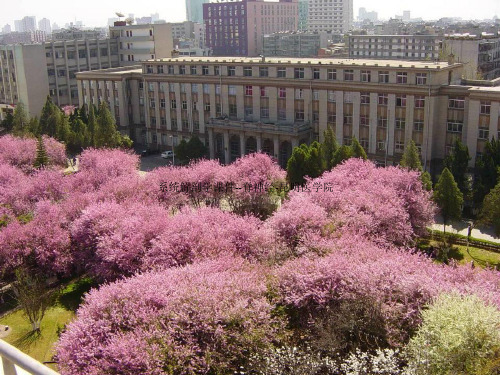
(40, 345)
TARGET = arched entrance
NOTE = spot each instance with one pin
(251, 145)
(285, 153)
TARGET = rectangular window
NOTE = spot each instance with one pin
(162, 103)
(299, 94)
(347, 119)
(193, 70)
(380, 146)
(332, 118)
(184, 105)
(282, 92)
(264, 72)
(182, 69)
(152, 103)
(149, 69)
(364, 143)
(402, 77)
(216, 70)
(331, 95)
(419, 101)
(217, 89)
(281, 72)
(456, 102)
(231, 90)
(418, 126)
(383, 77)
(400, 123)
(194, 88)
(382, 122)
(232, 110)
(365, 76)
(484, 134)
(332, 74)
(173, 104)
(231, 71)
(248, 90)
(263, 92)
(401, 101)
(264, 112)
(454, 127)
(247, 71)
(207, 107)
(299, 115)
(204, 70)
(365, 98)
(348, 75)
(281, 114)
(485, 107)
(206, 88)
(183, 87)
(383, 99)
(170, 69)
(421, 79)
(299, 73)
(315, 95)
(399, 147)
(159, 69)
(316, 73)
(364, 120)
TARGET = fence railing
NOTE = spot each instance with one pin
(15, 362)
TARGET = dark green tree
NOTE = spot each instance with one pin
(83, 113)
(411, 161)
(297, 165)
(343, 153)
(357, 150)
(448, 197)
(49, 119)
(315, 164)
(486, 176)
(458, 163)
(20, 120)
(106, 134)
(490, 212)
(329, 146)
(182, 151)
(79, 136)
(34, 126)
(197, 149)
(8, 122)
(42, 159)
(92, 125)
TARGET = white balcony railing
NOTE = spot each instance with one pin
(15, 362)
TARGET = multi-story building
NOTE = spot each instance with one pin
(78, 34)
(332, 16)
(237, 28)
(37, 36)
(31, 72)
(25, 24)
(303, 14)
(44, 25)
(403, 47)
(480, 54)
(294, 44)
(194, 10)
(240, 105)
(6, 29)
(142, 42)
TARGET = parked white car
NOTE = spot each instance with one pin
(167, 154)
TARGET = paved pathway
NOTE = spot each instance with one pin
(461, 227)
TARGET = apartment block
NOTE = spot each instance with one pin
(194, 10)
(237, 28)
(295, 44)
(33, 71)
(142, 42)
(240, 105)
(479, 54)
(332, 16)
(400, 47)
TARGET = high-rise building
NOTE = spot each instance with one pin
(244, 23)
(44, 25)
(389, 47)
(364, 15)
(194, 10)
(406, 15)
(26, 24)
(142, 42)
(6, 29)
(303, 14)
(333, 16)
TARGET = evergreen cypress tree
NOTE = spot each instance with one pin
(357, 150)
(48, 119)
(329, 146)
(20, 120)
(458, 164)
(42, 159)
(343, 153)
(92, 125)
(448, 197)
(106, 134)
(411, 160)
(297, 165)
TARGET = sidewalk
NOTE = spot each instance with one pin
(461, 227)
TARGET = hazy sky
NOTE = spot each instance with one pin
(97, 12)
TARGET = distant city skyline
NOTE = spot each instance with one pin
(95, 13)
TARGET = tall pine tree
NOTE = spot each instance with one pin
(448, 197)
(357, 150)
(106, 135)
(42, 159)
(20, 120)
(458, 164)
(411, 161)
(329, 146)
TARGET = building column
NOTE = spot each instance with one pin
(276, 146)
(211, 146)
(227, 155)
(242, 144)
(259, 143)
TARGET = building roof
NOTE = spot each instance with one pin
(111, 71)
(314, 61)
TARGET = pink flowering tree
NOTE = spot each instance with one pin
(204, 318)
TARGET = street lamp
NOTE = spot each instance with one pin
(173, 152)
